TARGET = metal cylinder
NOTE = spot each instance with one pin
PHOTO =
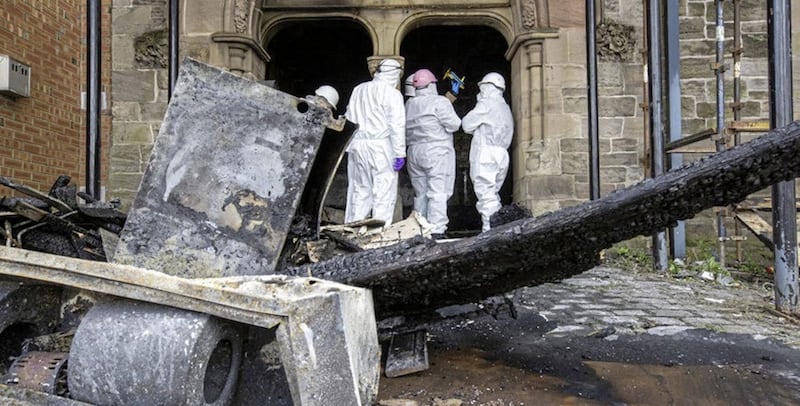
(134, 353)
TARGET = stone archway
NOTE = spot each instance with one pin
(471, 51)
(308, 53)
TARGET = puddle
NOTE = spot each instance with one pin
(697, 384)
(472, 378)
(468, 376)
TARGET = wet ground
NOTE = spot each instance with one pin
(612, 337)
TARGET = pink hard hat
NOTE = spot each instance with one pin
(423, 77)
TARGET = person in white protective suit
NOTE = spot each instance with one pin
(430, 123)
(492, 126)
(378, 147)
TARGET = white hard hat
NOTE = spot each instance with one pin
(387, 65)
(408, 86)
(495, 79)
(328, 93)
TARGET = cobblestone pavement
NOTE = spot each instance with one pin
(611, 336)
(647, 302)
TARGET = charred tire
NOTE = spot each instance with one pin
(136, 353)
(25, 311)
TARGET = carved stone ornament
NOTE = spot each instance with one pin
(241, 13)
(529, 15)
(151, 49)
(615, 41)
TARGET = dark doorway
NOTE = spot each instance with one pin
(307, 54)
(470, 51)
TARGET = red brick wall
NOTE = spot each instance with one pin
(43, 136)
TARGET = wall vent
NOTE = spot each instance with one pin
(15, 77)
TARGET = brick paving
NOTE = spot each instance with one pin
(651, 303)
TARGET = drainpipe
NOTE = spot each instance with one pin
(673, 63)
(591, 84)
(656, 124)
(645, 92)
(719, 69)
(784, 221)
(174, 44)
(93, 93)
(737, 101)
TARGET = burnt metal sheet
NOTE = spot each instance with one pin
(323, 172)
(224, 178)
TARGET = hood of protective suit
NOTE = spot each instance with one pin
(489, 91)
(429, 90)
(392, 77)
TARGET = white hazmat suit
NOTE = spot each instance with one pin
(377, 108)
(430, 123)
(492, 126)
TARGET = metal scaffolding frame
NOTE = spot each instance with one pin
(784, 209)
(654, 74)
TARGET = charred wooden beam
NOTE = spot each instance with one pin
(420, 275)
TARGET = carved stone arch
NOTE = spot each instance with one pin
(532, 14)
(484, 18)
(270, 27)
(223, 33)
(241, 17)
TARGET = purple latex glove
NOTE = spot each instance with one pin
(398, 163)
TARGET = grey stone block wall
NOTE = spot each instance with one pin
(139, 95)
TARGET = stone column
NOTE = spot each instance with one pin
(526, 54)
(240, 54)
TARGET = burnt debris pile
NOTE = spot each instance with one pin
(63, 221)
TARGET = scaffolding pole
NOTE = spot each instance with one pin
(591, 85)
(784, 211)
(660, 260)
(174, 48)
(719, 69)
(736, 54)
(673, 64)
(93, 98)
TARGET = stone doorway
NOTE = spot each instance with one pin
(309, 53)
(470, 51)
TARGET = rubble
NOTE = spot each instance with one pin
(219, 202)
(63, 221)
(212, 214)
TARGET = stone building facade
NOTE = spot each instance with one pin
(541, 44)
